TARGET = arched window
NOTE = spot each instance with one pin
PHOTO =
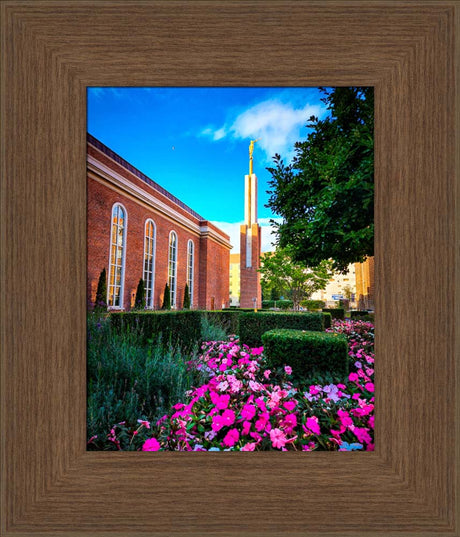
(117, 257)
(172, 267)
(190, 260)
(149, 262)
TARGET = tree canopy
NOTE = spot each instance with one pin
(278, 271)
(326, 195)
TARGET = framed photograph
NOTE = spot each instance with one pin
(51, 54)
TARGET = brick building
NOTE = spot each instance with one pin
(136, 229)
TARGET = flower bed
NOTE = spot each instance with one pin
(243, 406)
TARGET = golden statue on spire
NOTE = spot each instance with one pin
(251, 150)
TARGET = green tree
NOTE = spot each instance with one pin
(280, 271)
(326, 195)
(166, 299)
(101, 292)
(139, 301)
(186, 304)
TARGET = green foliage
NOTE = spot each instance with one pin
(362, 315)
(336, 313)
(358, 313)
(274, 294)
(131, 378)
(176, 328)
(281, 304)
(212, 329)
(327, 320)
(313, 304)
(307, 352)
(186, 304)
(253, 325)
(326, 195)
(139, 302)
(166, 299)
(279, 271)
(101, 292)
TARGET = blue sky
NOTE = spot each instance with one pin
(194, 141)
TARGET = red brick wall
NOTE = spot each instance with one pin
(211, 260)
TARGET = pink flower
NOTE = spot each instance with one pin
(151, 444)
(290, 405)
(221, 401)
(290, 421)
(249, 447)
(352, 377)
(145, 423)
(246, 427)
(267, 373)
(369, 386)
(231, 438)
(226, 419)
(278, 438)
(312, 426)
(248, 412)
(362, 435)
(288, 369)
(344, 418)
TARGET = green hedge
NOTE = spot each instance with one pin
(227, 319)
(308, 353)
(358, 313)
(281, 304)
(181, 328)
(337, 313)
(327, 320)
(313, 304)
(253, 325)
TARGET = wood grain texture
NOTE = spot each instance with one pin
(50, 52)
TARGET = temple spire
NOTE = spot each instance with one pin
(251, 150)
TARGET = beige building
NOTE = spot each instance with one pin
(339, 287)
(234, 279)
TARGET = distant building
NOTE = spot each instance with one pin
(137, 229)
(365, 284)
(338, 288)
(234, 279)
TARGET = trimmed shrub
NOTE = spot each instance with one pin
(166, 299)
(253, 325)
(139, 302)
(177, 328)
(307, 352)
(186, 304)
(337, 313)
(327, 320)
(281, 304)
(312, 304)
(358, 313)
(101, 292)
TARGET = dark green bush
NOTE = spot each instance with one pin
(307, 352)
(281, 304)
(177, 328)
(186, 303)
(358, 313)
(253, 325)
(166, 299)
(337, 313)
(327, 320)
(362, 315)
(101, 293)
(139, 301)
(312, 304)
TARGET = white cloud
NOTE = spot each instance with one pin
(233, 230)
(277, 124)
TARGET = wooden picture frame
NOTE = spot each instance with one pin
(50, 53)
